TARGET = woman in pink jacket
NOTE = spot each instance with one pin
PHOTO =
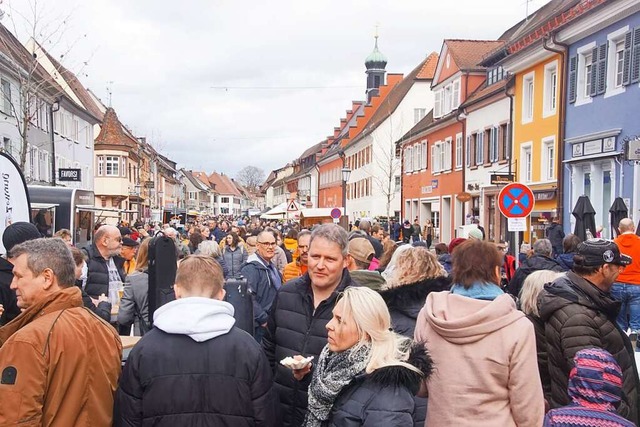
(483, 349)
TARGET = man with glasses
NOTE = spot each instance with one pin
(298, 266)
(263, 278)
(105, 266)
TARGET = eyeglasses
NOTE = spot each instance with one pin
(268, 244)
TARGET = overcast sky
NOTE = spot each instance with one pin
(170, 63)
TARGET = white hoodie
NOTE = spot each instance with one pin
(200, 318)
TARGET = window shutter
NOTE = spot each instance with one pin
(602, 68)
(594, 72)
(573, 78)
(468, 151)
(437, 111)
(626, 59)
(635, 57)
(434, 158)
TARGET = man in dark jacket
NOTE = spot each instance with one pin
(13, 235)
(297, 324)
(195, 368)
(555, 234)
(365, 226)
(105, 267)
(579, 312)
(540, 260)
(263, 278)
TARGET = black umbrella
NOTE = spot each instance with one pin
(618, 212)
(585, 217)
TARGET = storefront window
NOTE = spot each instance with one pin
(587, 184)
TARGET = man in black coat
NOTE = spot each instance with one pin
(579, 312)
(105, 267)
(555, 234)
(540, 260)
(195, 368)
(304, 306)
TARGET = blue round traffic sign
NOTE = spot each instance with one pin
(516, 200)
(336, 213)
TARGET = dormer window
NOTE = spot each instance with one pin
(494, 75)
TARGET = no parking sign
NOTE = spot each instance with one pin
(516, 200)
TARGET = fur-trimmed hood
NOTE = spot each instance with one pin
(406, 295)
(396, 375)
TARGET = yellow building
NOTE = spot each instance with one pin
(536, 126)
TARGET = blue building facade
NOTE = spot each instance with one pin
(602, 120)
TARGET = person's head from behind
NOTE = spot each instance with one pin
(79, 259)
(595, 379)
(361, 317)
(365, 226)
(171, 233)
(65, 235)
(40, 267)
(531, 288)
(209, 248)
(543, 247)
(17, 233)
(251, 244)
(626, 225)
(476, 261)
(415, 265)
(304, 241)
(361, 253)
(142, 259)
(199, 276)
(108, 240)
(570, 243)
(441, 249)
(328, 250)
(389, 247)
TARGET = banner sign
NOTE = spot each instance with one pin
(15, 204)
(69, 175)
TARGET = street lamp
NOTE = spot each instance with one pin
(346, 173)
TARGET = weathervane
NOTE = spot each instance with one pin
(109, 90)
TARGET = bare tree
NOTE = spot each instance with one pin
(251, 177)
(36, 90)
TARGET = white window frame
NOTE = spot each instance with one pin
(111, 161)
(548, 171)
(456, 93)
(526, 171)
(447, 163)
(435, 158)
(418, 114)
(100, 168)
(493, 144)
(459, 148)
(479, 148)
(423, 157)
(528, 95)
(5, 91)
(76, 129)
(584, 52)
(437, 106)
(550, 94)
(614, 40)
(417, 156)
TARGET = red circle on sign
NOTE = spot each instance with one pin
(335, 213)
(516, 200)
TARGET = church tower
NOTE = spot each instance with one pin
(375, 63)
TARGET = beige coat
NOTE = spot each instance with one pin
(484, 354)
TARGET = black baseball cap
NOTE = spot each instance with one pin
(596, 252)
(127, 241)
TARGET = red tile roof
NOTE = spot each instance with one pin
(223, 184)
(468, 54)
(429, 66)
(112, 133)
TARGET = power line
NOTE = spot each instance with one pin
(226, 88)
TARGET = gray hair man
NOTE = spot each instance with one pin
(300, 313)
(540, 260)
(55, 345)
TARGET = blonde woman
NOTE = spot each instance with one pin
(531, 288)
(366, 374)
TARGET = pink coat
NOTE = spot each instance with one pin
(484, 355)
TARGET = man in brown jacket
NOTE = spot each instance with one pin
(59, 362)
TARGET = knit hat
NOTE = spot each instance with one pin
(455, 242)
(361, 249)
(17, 233)
(475, 233)
(596, 379)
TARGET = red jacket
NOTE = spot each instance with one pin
(629, 244)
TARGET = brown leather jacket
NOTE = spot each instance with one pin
(59, 365)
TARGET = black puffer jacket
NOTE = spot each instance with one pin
(98, 272)
(535, 263)
(543, 356)
(404, 303)
(384, 397)
(294, 327)
(7, 295)
(578, 315)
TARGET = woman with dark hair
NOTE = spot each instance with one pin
(483, 348)
(134, 304)
(388, 248)
(569, 248)
(194, 240)
(233, 254)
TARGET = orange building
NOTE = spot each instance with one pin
(433, 152)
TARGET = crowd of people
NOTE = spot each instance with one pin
(369, 327)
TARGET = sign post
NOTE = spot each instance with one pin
(336, 214)
(516, 202)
